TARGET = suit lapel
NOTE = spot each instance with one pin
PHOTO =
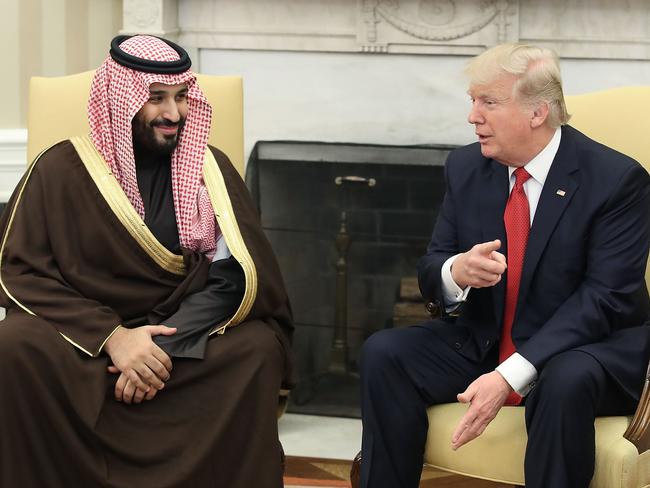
(559, 188)
(494, 196)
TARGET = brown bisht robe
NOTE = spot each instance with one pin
(76, 261)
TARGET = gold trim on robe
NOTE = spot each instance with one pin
(223, 210)
(6, 234)
(226, 219)
(133, 223)
(112, 192)
(2, 248)
(85, 350)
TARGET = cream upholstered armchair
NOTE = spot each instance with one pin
(616, 118)
(57, 110)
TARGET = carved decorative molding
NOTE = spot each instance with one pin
(155, 17)
(426, 25)
(437, 20)
(598, 29)
(142, 14)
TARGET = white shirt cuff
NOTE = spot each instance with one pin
(222, 251)
(452, 294)
(519, 373)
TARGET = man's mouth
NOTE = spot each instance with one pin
(167, 129)
(482, 138)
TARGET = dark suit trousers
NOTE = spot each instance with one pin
(403, 371)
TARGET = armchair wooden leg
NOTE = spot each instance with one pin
(638, 432)
(283, 458)
(283, 401)
(355, 471)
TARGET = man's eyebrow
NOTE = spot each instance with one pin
(489, 95)
(163, 91)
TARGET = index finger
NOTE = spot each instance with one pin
(132, 375)
(492, 266)
(464, 424)
(497, 256)
(157, 368)
(149, 377)
(467, 435)
(163, 357)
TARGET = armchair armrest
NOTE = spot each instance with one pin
(638, 432)
(434, 309)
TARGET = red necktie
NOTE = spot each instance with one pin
(517, 221)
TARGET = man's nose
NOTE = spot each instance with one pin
(171, 111)
(474, 116)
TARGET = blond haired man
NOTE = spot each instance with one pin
(537, 265)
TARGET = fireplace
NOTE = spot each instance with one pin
(383, 216)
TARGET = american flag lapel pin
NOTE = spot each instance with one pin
(560, 192)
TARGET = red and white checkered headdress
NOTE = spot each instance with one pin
(117, 94)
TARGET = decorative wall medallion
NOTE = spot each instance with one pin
(437, 20)
(437, 12)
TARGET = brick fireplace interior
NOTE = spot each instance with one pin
(388, 225)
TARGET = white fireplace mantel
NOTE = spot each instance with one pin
(390, 71)
(598, 29)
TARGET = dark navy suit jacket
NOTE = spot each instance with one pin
(582, 285)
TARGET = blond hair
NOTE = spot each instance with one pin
(538, 76)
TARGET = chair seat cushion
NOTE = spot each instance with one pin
(498, 454)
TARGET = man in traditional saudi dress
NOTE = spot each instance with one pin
(121, 284)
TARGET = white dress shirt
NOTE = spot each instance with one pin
(517, 371)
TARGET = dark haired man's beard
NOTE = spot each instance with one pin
(144, 136)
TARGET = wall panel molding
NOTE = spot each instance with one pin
(13, 154)
(51, 38)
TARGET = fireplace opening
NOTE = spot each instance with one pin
(347, 223)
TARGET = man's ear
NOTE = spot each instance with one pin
(539, 116)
